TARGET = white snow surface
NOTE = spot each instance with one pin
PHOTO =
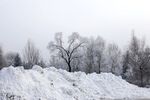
(56, 84)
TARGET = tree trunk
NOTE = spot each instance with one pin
(99, 67)
(69, 66)
(141, 77)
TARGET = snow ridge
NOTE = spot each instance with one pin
(57, 84)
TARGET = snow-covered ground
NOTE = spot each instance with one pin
(54, 84)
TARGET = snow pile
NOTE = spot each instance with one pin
(54, 84)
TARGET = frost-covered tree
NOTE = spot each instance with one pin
(67, 52)
(31, 55)
(56, 62)
(13, 59)
(114, 59)
(125, 65)
(139, 58)
(42, 63)
(89, 59)
(95, 58)
(2, 60)
(99, 53)
(10, 57)
(17, 61)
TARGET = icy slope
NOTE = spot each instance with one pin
(54, 84)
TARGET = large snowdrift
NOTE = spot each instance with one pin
(54, 84)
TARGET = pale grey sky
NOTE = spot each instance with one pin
(40, 19)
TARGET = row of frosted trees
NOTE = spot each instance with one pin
(30, 57)
(88, 55)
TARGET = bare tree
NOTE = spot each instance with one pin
(31, 55)
(67, 53)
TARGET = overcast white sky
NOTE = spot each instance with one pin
(40, 19)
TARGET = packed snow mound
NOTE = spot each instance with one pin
(54, 84)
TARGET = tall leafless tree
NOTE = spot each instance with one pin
(31, 55)
(67, 53)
